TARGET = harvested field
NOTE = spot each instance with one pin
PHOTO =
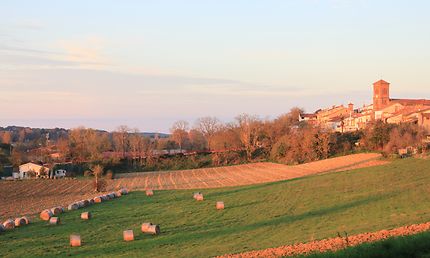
(29, 197)
(245, 174)
(332, 244)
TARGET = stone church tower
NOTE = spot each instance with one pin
(381, 95)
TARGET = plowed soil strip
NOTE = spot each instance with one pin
(333, 244)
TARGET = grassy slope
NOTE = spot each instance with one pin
(255, 217)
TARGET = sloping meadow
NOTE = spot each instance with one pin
(255, 217)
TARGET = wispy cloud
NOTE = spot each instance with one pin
(86, 52)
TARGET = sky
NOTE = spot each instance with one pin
(147, 64)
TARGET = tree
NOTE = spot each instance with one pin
(6, 137)
(249, 128)
(121, 139)
(208, 126)
(179, 132)
(197, 140)
(99, 184)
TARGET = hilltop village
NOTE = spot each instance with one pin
(390, 110)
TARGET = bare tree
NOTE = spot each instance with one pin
(121, 139)
(208, 126)
(179, 132)
(249, 127)
(99, 184)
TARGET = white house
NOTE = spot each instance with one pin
(25, 170)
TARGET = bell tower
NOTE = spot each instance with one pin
(381, 94)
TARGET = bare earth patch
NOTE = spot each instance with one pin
(28, 197)
(332, 244)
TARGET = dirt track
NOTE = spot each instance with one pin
(31, 196)
(332, 244)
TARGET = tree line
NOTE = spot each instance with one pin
(208, 142)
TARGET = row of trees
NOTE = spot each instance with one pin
(244, 139)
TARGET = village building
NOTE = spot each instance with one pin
(31, 169)
(389, 110)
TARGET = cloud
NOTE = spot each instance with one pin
(73, 56)
(86, 53)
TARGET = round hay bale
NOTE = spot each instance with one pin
(20, 222)
(27, 221)
(145, 226)
(54, 221)
(149, 193)
(86, 215)
(124, 191)
(98, 199)
(199, 197)
(46, 215)
(9, 224)
(128, 235)
(154, 230)
(149, 228)
(195, 195)
(81, 204)
(73, 206)
(56, 210)
(220, 205)
(86, 203)
(75, 240)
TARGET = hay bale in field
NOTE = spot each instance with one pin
(20, 222)
(46, 215)
(27, 221)
(86, 215)
(149, 228)
(124, 191)
(9, 224)
(56, 210)
(195, 195)
(111, 196)
(199, 197)
(128, 235)
(80, 204)
(98, 199)
(54, 221)
(73, 206)
(220, 205)
(149, 192)
(75, 240)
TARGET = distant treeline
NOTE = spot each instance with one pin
(208, 143)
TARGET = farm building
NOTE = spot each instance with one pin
(32, 169)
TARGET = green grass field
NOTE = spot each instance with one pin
(256, 217)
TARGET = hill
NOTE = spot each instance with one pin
(256, 216)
